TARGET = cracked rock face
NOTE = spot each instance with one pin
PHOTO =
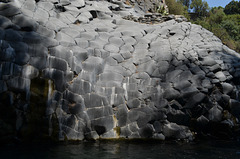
(75, 69)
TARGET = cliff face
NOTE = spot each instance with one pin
(74, 69)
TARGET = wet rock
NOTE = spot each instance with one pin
(159, 136)
(172, 130)
(146, 131)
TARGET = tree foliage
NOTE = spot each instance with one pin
(216, 15)
(225, 27)
(232, 8)
(200, 7)
(186, 3)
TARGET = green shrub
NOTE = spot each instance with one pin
(175, 7)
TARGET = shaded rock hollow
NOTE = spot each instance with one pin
(75, 69)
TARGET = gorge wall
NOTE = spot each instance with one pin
(75, 69)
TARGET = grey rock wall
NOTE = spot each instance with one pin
(77, 70)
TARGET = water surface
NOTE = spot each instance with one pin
(128, 150)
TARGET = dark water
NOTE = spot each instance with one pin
(131, 150)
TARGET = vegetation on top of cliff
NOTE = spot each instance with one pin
(223, 22)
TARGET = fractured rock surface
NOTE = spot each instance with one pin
(98, 75)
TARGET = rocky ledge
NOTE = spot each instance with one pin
(75, 69)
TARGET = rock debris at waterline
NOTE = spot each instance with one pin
(75, 69)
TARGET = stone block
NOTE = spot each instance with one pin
(32, 37)
(19, 84)
(5, 22)
(71, 32)
(207, 84)
(9, 10)
(76, 108)
(143, 119)
(171, 93)
(215, 114)
(133, 103)
(3, 86)
(82, 87)
(125, 132)
(13, 35)
(73, 98)
(65, 40)
(220, 75)
(235, 107)
(178, 117)
(10, 69)
(208, 61)
(57, 76)
(133, 127)
(55, 24)
(45, 32)
(22, 58)
(102, 125)
(47, 6)
(146, 131)
(29, 5)
(171, 75)
(26, 24)
(158, 127)
(121, 115)
(197, 70)
(172, 130)
(29, 72)
(94, 100)
(93, 64)
(116, 41)
(189, 91)
(37, 50)
(2, 33)
(147, 67)
(118, 57)
(202, 121)
(117, 99)
(19, 46)
(227, 88)
(159, 136)
(180, 85)
(111, 76)
(38, 62)
(111, 48)
(7, 53)
(57, 63)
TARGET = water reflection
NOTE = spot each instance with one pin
(125, 150)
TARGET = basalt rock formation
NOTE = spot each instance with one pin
(75, 69)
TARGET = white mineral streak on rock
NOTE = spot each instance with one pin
(50, 89)
(125, 89)
(159, 89)
(112, 96)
